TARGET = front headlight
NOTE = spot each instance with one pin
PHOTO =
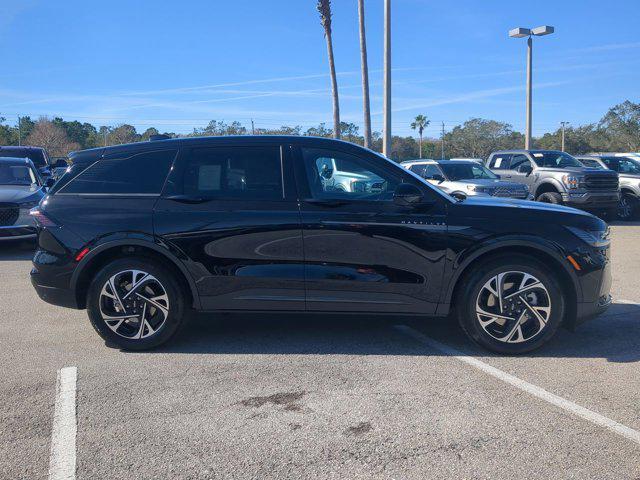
(595, 239)
(571, 182)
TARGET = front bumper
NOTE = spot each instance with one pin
(587, 200)
(17, 232)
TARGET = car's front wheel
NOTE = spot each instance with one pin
(627, 207)
(135, 304)
(511, 304)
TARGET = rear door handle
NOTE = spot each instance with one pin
(191, 199)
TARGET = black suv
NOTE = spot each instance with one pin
(557, 177)
(139, 234)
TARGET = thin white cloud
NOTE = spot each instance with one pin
(607, 48)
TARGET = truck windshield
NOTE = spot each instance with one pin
(555, 160)
(466, 171)
(16, 175)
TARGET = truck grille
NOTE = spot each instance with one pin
(9, 213)
(510, 192)
(601, 182)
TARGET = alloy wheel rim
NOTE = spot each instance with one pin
(134, 304)
(624, 208)
(513, 307)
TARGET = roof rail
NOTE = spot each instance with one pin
(162, 136)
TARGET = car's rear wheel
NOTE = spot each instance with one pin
(550, 197)
(135, 304)
(511, 304)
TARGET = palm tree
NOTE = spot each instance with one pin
(365, 76)
(420, 123)
(324, 8)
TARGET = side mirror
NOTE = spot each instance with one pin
(459, 196)
(407, 195)
(438, 178)
(50, 182)
(526, 169)
(61, 163)
(497, 176)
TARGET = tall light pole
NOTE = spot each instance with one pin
(386, 128)
(521, 32)
(563, 124)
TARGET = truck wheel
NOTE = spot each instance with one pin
(510, 304)
(627, 207)
(135, 304)
(550, 197)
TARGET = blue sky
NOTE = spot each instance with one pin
(178, 65)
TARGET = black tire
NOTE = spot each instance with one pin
(171, 321)
(474, 282)
(550, 197)
(627, 208)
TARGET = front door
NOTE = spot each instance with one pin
(362, 251)
(232, 214)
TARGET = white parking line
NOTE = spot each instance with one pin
(534, 390)
(62, 459)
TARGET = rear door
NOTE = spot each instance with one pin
(362, 251)
(231, 212)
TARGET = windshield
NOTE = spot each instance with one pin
(555, 160)
(623, 165)
(16, 175)
(466, 171)
(35, 155)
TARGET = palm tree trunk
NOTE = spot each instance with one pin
(365, 76)
(334, 87)
(420, 145)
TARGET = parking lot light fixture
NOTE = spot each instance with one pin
(521, 32)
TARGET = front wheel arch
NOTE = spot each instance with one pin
(568, 283)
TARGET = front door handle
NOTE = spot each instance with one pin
(326, 202)
(191, 199)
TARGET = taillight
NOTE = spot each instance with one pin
(41, 219)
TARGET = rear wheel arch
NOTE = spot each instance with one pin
(570, 286)
(104, 254)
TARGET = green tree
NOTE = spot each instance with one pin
(478, 137)
(320, 131)
(420, 123)
(621, 125)
(349, 130)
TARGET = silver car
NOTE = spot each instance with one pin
(462, 178)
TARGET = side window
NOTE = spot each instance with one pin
(244, 173)
(418, 169)
(140, 173)
(500, 162)
(519, 160)
(353, 178)
(590, 163)
(430, 171)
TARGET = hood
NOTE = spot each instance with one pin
(529, 206)
(20, 193)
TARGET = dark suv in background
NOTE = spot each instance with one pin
(139, 234)
(557, 177)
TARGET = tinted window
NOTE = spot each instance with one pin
(500, 161)
(35, 155)
(622, 165)
(251, 173)
(356, 179)
(591, 163)
(141, 173)
(418, 169)
(519, 160)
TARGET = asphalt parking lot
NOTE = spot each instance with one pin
(265, 396)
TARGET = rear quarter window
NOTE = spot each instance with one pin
(123, 173)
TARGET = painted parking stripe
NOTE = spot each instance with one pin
(541, 393)
(62, 459)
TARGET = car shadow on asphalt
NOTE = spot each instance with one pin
(612, 336)
(12, 250)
